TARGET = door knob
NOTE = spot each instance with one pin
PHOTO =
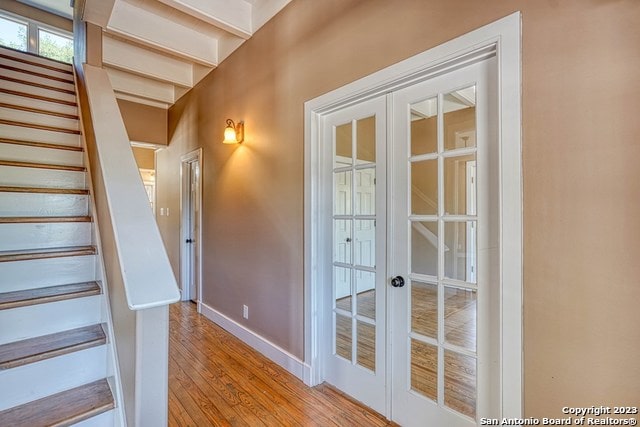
(397, 282)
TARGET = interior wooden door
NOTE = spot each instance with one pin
(444, 247)
(355, 345)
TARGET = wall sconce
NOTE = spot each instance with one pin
(233, 133)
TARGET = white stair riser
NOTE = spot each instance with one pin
(17, 236)
(34, 177)
(106, 419)
(36, 59)
(37, 380)
(40, 204)
(40, 273)
(34, 90)
(43, 319)
(36, 69)
(24, 101)
(25, 153)
(38, 118)
(38, 135)
(36, 79)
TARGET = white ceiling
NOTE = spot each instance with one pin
(156, 50)
(58, 7)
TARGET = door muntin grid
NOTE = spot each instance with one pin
(442, 229)
(354, 242)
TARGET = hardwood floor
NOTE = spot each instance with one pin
(217, 380)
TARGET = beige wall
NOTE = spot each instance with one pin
(36, 14)
(145, 157)
(581, 179)
(144, 123)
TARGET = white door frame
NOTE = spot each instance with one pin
(184, 212)
(502, 38)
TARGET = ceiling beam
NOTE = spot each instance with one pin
(264, 10)
(141, 87)
(98, 12)
(143, 61)
(232, 16)
(163, 32)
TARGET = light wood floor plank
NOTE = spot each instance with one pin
(216, 372)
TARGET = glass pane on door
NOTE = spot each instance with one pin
(460, 313)
(354, 241)
(424, 125)
(424, 309)
(460, 185)
(459, 117)
(366, 144)
(424, 369)
(343, 145)
(366, 345)
(343, 336)
(442, 225)
(460, 383)
(424, 187)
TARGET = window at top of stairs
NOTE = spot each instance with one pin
(27, 35)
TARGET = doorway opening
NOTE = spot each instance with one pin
(190, 226)
(444, 234)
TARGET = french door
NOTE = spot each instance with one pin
(355, 359)
(411, 327)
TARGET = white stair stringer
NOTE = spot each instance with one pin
(48, 240)
(103, 420)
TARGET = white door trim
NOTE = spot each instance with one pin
(502, 38)
(184, 160)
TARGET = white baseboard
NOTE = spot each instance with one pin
(278, 355)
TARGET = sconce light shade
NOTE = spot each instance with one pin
(233, 133)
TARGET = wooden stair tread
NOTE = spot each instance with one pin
(43, 190)
(41, 127)
(35, 296)
(36, 74)
(42, 166)
(35, 63)
(62, 409)
(32, 350)
(38, 111)
(40, 97)
(42, 219)
(40, 144)
(38, 85)
(25, 255)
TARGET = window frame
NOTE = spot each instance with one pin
(33, 32)
(18, 20)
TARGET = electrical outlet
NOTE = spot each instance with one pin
(245, 311)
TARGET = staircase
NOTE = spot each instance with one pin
(56, 360)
